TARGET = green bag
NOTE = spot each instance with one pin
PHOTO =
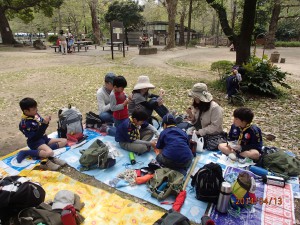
(96, 154)
(165, 182)
(282, 163)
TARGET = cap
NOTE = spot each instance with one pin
(62, 199)
(168, 119)
(109, 77)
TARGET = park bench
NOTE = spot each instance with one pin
(118, 45)
(55, 47)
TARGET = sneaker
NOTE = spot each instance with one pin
(58, 161)
(245, 160)
(48, 165)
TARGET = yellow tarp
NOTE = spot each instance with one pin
(101, 207)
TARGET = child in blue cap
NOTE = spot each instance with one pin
(173, 145)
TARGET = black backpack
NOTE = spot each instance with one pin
(172, 218)
(207, 182)
(18, 193)
(92, 120)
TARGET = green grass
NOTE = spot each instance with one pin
(287, 43)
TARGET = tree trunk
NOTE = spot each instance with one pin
(96, 30)
(171, 8)
(6, 33)
(189, 21)
(242, 42)
(213, 25)
(181, 31)
(243, 45)
(270, 38)
(233, 14)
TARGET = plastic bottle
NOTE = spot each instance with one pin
(132, 158)
(259, 171)
(162, 186)
(273, 180)
(224, 197)
(206, 220)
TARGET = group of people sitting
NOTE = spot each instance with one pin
(129, 119)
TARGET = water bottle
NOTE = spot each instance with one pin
(206, 220)
(132, 158)
(259, 171)
(224, 197)
(273, 180)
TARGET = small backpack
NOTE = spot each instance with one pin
(92, 120)
(96, 154)
(69, 122)
(172, 218)
(165, 182)
(18, 193)
(207, 182)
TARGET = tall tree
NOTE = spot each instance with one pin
(171, 6)
(24, 10)
(189, 21)
(182, 14)
(129, 12)
(93, 4)
(242, 39)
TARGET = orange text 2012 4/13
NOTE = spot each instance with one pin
(268, 201)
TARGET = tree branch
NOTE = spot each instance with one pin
(24, 5)
(284, 6)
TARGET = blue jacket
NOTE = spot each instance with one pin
(251, 137)
(174, 144)
(32, 127)
(232, 85)
(128, 132)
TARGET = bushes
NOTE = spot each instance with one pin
(52, 39)
(260, 75)
(287, 43)
(222, 67)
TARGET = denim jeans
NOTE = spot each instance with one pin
(106, 117)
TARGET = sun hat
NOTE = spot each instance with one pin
(199, 91)
(168, 119)
(62, 199)
(143, 82)
(109, 77)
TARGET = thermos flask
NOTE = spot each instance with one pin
(224, 197)
(259, 171)
(132, 158)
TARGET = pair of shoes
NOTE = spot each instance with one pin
(49, 165)
(58, 161)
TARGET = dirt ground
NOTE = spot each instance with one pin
(20, 61)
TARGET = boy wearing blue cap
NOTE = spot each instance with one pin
(103, 100)
(173, 145)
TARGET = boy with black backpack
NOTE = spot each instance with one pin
(33, 126)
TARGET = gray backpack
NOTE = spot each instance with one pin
(69, 122)
(96, 155)
(165, 182)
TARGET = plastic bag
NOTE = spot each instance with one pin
(198, 141)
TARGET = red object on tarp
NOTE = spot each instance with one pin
(179, 201)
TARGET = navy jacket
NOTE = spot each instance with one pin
(128, 132)
(232, 85)
(32, 127)
(174, 144)
(251, 137)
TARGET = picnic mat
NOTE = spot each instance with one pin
(275, 205)
(9, 164)
(192, 208)
(101, 207)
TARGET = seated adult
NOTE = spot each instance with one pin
(105, 114)
(205, 115)
(134, 133)
(142, 99)
(173, 146)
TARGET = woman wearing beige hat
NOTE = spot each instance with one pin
(143, 100)
(205, 115)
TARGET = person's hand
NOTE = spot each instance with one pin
(236, 148)
(189, 112)
(162, 92)
(126, 102)
(47, 119)
(130, 97)
(159, 101)
(153, 144)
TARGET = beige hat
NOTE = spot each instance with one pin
(62, 199)
(199, 90)
(143, 82)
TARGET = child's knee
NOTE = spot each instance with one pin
(63, 142)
